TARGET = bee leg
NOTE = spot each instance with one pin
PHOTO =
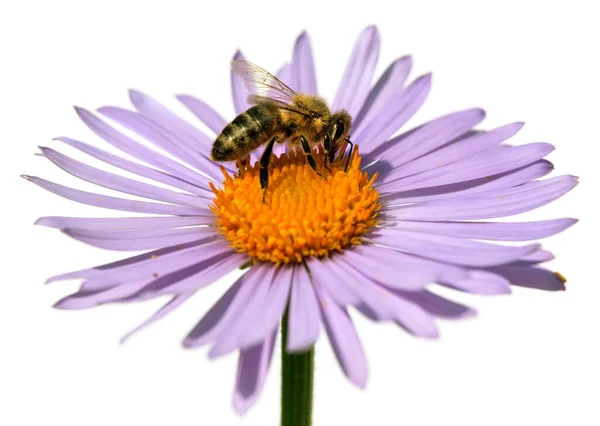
(349, 154)
(311, 161)
(326, 151)
(265, 159)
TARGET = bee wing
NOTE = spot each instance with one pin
(263, 100)
(260, 82)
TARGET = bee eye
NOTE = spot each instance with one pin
(340, 128)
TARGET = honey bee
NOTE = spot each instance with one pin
(279, 114)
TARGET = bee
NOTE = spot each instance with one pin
(280, 114)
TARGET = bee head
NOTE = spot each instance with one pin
(337, 133)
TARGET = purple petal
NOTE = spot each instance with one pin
(123, 184)
(272, 310)
(531, 277)
(358, 75)
(449, 154)
(383, 306)
(137, 150)
(303, 73)
(502, 231)
(334, 280)
(167, 119)
(304, 319)
(128, 240)
(437, 305)
(164, 138)
(205, 113)
(389, 268)
(169, 307)
(458, 190)
(120, 265)
(114, 203)
(248, 317)
(227, 261)
(93, 294)
(490, 204)
(227, 312)
(390, 84)
(123, 223)
(487, 163)
(480, 282)
(137, 169)
(151, 267)
(238, 92)
(537, 256)
(253, 366)
(396, 113)
(344, 340)
(451, 249)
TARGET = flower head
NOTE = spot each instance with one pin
(407, 213)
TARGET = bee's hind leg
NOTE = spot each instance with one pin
(242, 163)
(265, 159)
(311, 161)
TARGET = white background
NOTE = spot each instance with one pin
(529, 358)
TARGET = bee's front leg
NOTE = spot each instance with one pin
(307, 151)
(265, 159)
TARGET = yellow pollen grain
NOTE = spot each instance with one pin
(303, 214)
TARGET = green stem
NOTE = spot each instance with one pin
(296, 383)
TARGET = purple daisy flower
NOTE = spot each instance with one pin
(407, 213)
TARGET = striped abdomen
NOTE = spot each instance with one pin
(246, 132)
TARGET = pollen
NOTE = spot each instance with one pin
(303, 214)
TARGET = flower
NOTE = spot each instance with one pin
(406, 213)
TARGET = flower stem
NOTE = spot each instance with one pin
(296, 383)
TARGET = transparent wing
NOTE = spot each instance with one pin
(263, 100)
(261, 83)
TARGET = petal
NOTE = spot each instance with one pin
(166, 309)
(458, 190)
(502, 231)
(138, 169)
(137, 150)
(120, 265)
(114, 203)
(344, 340)
(167, 119)
(272, 310)
(120, 223)
(248, 317)
(396, 113)
(253, 366)
(123, 184)
(490, 204)
(164, 138)
(480, 282)
(389, 85)
(487, 163)
(389, 268)
(437, 305)
(448, 154)
(304, 318)
(221, 313)
(204, 112)
(451, 249)
(303, 73)
(382, 305)
(358, 75)
(142, 239)
(334, 280)
(238, 92)
(531, 277)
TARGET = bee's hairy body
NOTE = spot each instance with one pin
(261, 123)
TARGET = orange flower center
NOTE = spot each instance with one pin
(303, 214)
